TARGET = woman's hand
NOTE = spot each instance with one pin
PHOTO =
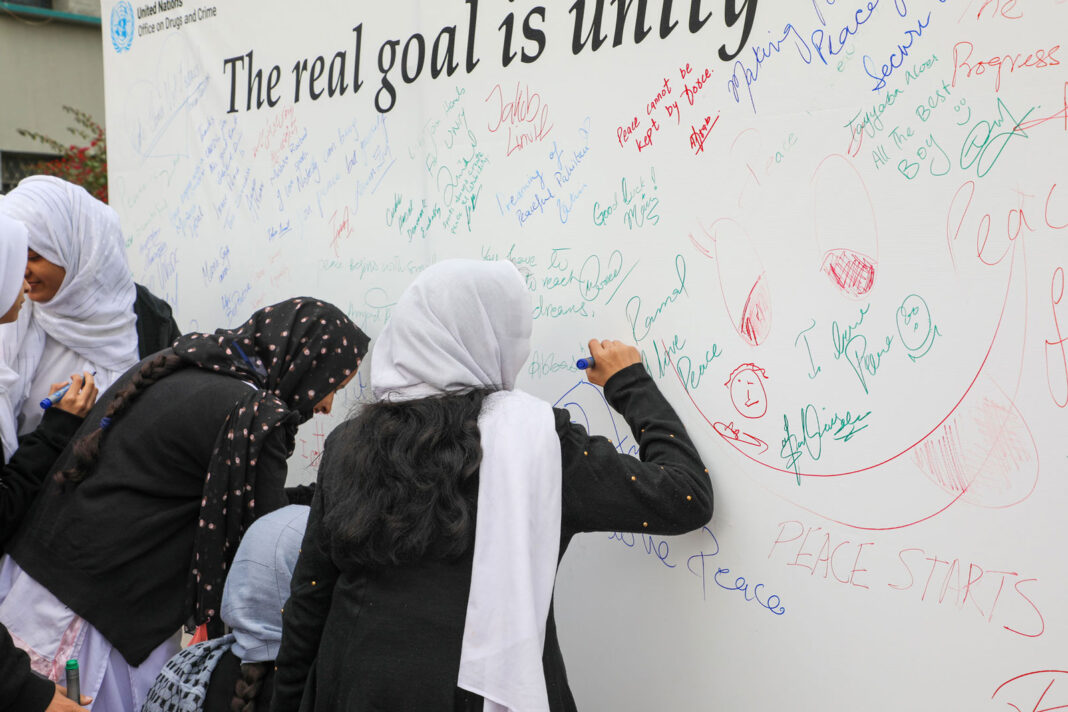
(59, 702)
(80, 397)
(610, 357)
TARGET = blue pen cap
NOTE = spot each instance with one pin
(54, 398)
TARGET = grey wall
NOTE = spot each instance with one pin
(44, 65)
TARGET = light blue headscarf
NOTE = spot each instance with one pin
(257, 585)
(256, 588)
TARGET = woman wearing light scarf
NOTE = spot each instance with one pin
(12, 295)
(20, 478)
(236, 671)
(426, 574)
(82, 316)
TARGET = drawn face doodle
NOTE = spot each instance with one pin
(747, 391)
(914, 322)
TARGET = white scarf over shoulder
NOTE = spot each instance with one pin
(466, 324)
(92, 312)
(12, 271)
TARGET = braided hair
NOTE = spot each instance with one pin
(294, 353)
(87, 450)
(247, 687)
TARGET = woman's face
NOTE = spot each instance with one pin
(326, 404)
(13, 312)
(43, 277)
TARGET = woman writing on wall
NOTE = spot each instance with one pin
(173, 463)
(83, 296)
(426, 574)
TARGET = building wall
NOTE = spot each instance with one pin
(47, 63)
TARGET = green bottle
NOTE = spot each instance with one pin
(74, 691)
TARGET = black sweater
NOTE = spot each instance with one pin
(20, 689)
(117, 548)
(156, 328)
(390, 639)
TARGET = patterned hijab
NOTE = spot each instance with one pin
(295, 353)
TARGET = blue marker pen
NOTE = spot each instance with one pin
(56, 397)
(584, 363)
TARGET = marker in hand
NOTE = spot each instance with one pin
(74, 688)
(56, 397)
(611, 357)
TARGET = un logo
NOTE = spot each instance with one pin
(122, 26)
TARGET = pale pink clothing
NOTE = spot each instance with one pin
(51, 634)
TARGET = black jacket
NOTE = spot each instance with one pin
(156, 327)
(20, 689)
(390, 639)
(118, 547)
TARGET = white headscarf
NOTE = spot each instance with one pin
(12, 261)
(92, 312)
(12, 272)
(466, 324)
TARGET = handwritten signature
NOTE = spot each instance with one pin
(698, 136)
(524, 113)
(634, 304)
(727, 431)
(810, 440)
(982, 138)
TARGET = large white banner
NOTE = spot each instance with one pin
(837, 231)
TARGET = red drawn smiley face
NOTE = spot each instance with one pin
(746, 384)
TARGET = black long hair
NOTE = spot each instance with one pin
(401, 481)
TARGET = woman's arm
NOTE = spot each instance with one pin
(305, 612)
(667, 491)
(20, 689)
(23, 475)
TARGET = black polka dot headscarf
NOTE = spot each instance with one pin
(300, 350)
(295, 353)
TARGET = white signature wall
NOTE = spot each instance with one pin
(837, 231)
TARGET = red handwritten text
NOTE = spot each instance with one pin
(1036, 684)
(969, 585)
(823, 551)
(341, 228)
(962, 54)
(699, 135)
(1056, 359)
(524, 115)
(1015, 222)
(690, 91)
